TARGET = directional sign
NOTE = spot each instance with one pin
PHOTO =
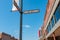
(31, 11)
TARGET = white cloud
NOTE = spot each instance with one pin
(26, 26)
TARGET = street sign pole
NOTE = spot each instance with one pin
(21, 26)
(21, 16)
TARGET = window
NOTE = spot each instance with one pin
(52, 22)
(54, 19)
(49, 28)
(50, 25)
(57, 13)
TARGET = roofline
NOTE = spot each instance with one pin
(2, 33)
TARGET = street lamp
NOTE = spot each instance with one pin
(21, 12)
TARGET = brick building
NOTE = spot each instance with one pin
(4, 36)
(51, 26)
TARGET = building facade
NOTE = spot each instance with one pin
(4, 36)
(51, 26)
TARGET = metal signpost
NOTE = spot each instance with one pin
(21, 14)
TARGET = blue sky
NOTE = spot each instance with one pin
(9, 21)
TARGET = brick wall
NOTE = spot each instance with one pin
(48, 10)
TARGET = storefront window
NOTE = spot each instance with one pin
(57, 13)
(52, 22)
(49, 28)
(55, 18)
